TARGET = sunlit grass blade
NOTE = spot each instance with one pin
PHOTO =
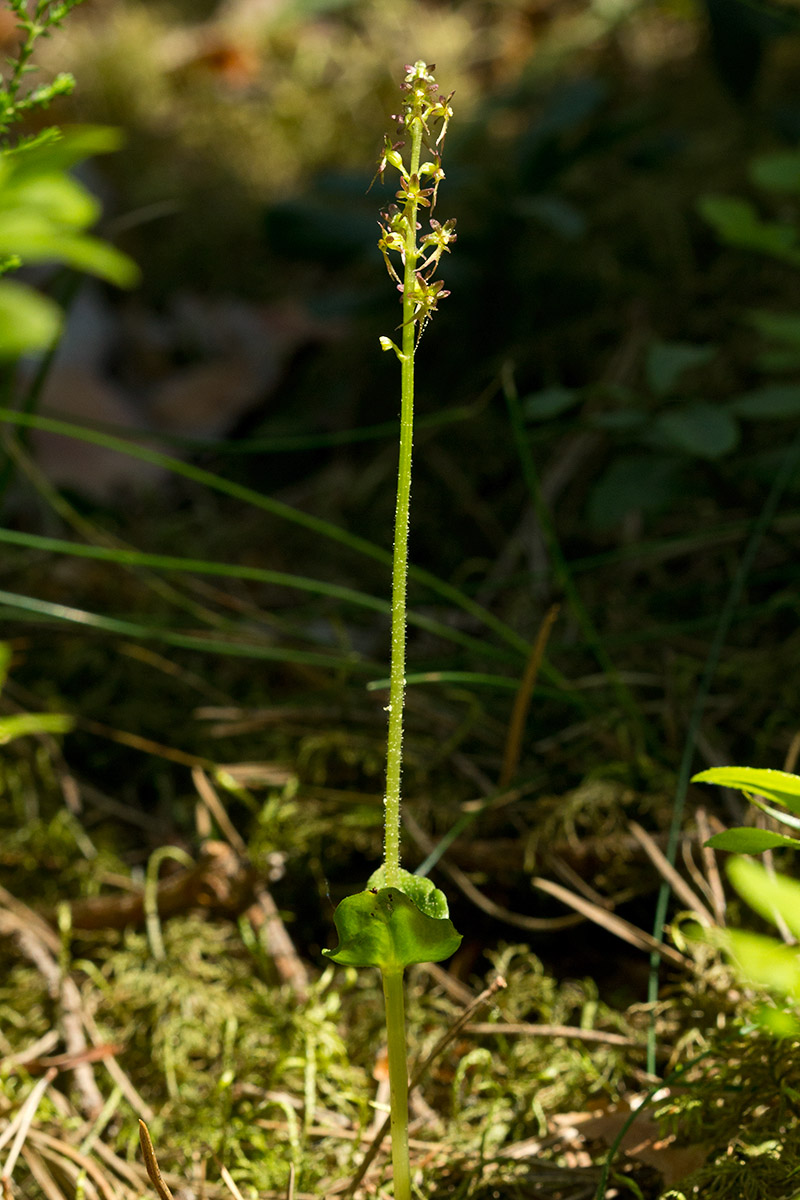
(283, 443)
(166, 562)
(136, 629)
(477, 679)
(277, 508)
(94, 535)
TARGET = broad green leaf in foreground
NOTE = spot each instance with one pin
(769, 895)
(750, 841)
(778, 786)
(24, 724)
(28, 321)
(36, 238)
(766, 961)
(384, 928)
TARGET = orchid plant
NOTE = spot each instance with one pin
(401, 918)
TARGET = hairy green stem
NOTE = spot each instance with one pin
(398, 1080)
(397, 674)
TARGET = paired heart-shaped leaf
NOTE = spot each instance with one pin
(384, 928)
(422, 891)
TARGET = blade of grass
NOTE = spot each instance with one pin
(135, 629)
(278, 508)
(77, 521)
(477, 679)
(166, 562)
(283, 443)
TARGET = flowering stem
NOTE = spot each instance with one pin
(398, 1080)
(423, 109)
(397, 673)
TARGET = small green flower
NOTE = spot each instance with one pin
(425, 112)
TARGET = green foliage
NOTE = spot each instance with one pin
(758, 784)
(44, 212)
(769, 963)
(25, 724)
(783, 331)
(667, 363)
(771, 896)
(749, 841)
(28, 321)
(772, 402)
(35, 19)
(737, 222)
(746, 1101)
(699, 429)
(658, 431)
(661, 428)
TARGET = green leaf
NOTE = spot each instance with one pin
(771, 402)
(750, 841)
(777, 1022)
(28, 321)
(618, 420)
(63, 150)
(668, 361)
(5, 662)
(36, 239)
(384, 928)
(778, 362)
(632, 482)
(766, 961)
(778, 172)
(25, 724)
(702, 430)
(778, 786)
(781, 327)
(736, 221)
(61, 199)
(421, 890)
(766, 893)
(551, 402)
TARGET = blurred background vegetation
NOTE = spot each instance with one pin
(608, 402)
(606, 398)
